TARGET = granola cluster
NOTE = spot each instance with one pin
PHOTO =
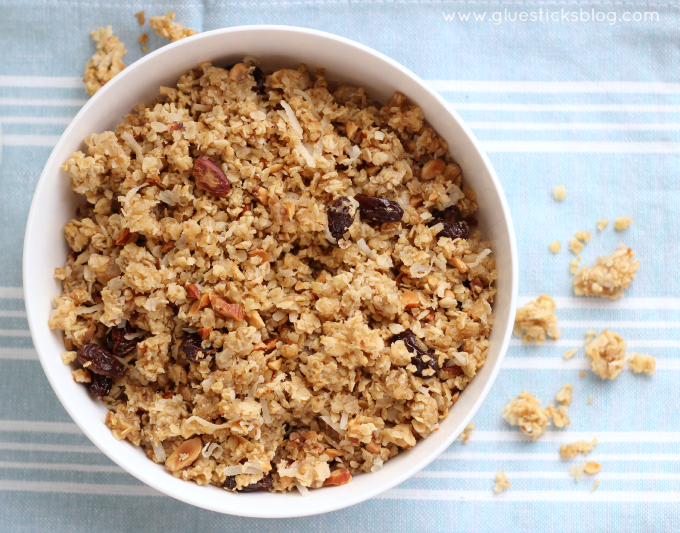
(536, 320)
(609, 277)
(106, 62)
(283, 272)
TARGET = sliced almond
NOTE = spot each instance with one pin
(123, 237)
(185, 454)
(409, 299)
(193, 291)
(338, 477)
(199, 304)
(234, 311)
(460, 265)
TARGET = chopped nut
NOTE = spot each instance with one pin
(168, 246)
(193, 291)
(80, 375)
(204, 333)
(275, 365)
(279, 213)
(234, 311)
(68, 357)
(264, 255)
(255, 320)
(409, 299)
(333, 453)
(210, 177)
(123, 237)
(273, 168)
(270, 344)
(432, 169)
(199, 304)
(261, 194)
(338, 477)
(373, 448)
(460, 265)
(238, 72)
(184, 455)
(140, 18)
(290, 350)
(290, 210)
(416, 201)
(350, 129)
(89, 334)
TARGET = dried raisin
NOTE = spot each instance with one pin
(191, 346)
(100, 386)
(101, 361)
(116, 343)
(454, 226)
(422, 359)
(260, 79)
(339, 218)
(264, 483)
(379, 209)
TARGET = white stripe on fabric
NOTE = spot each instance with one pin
(619, 324)
(577, 343)
(56, 82)
(30, 140)
(570, 436)
(15, 333)
(15, 293)
(575, 302)
(519, 456)
(28, 354)
(59, 448)
(634, 476)
(40, 427)
(531, 496)
(78, 488)
(606, 147)
(559, 363)
(626, 108)
(12, 314)
(35, 120)
(568, 126)
(53, 102)
(62, 467)
(554, 86)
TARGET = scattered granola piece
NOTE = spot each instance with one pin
(608, 354)
(106, 62)
(565, 395)
(574, 265)
(590, 335)
(590, 399)
(622, 223)
(68, 357)
(609, 277)
(80, 375)
(141, 17)
(555, 247)
(578, 241)
(559, 192)
(561, 416)
(595, 485)
(576, 471)
(526, 412)
(593, 467)
(570, 353)
(465, 435)
(502, 482)
(165, 27)
(143, 39)
(535, 319)
(582, 374)
(640, 362)
(601, 224)
(568, 451)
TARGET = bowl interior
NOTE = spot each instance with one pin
(346, 62)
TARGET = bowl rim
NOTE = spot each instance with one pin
(402, 475)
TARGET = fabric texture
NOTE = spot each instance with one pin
(589, 104)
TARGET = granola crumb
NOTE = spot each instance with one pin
(609, 277)
(569, 451)
(570, 353)
(590, 335)
(536, 319)
(640, 362)
(561, 416)
(526, 412)
(502, 482)
(595, 485)
(575, 265)
(141, 17)
(555, 247)
(578, 241)
(565, 395)
(589, 468)
(590, 399)
(164, 26)
(602, 223)
(68, 357)
(106, 62)
(607, 354)
(559, 192)
(622, 223)
(143, 40)
(592, 467)
(582, 374)
(467, 432)
(80, 375)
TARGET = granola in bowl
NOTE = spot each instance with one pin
(274, 282)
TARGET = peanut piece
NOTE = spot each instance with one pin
(460, 265)
(237, 72)
(333, 453)
(432, 169)
(373, 448)
(351, 129)
(275, 365)
(409, 299)
(185, 454)
(261, 194)
(255, 320)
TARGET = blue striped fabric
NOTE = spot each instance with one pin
(592, 105)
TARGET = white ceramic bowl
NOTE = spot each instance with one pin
(347, 62)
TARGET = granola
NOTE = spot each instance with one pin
(502, 482)
(165, 26)
(526, 412)
(578, 241)
(622, 223)
(568, 451)
(300, 345)
(559, 192)
(106, 62)
(640, 362)
(555, 247)
(609, 277)
(607, 354)
(536, 319)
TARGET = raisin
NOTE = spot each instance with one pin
(101, 362)
(260, 79)
(379, 209)
(116, 343)
(210, 177)
(264, 483)
(100, 386)
(412, 345)
(454, 226)
(339, 218)
(191, 346)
